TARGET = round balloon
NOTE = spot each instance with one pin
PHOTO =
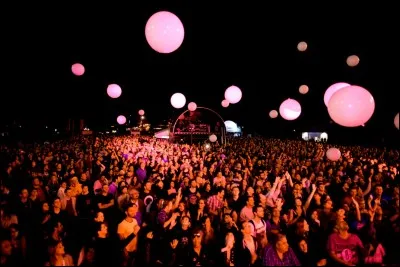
(121, 119)
(192, 106)
(178, 100)
(141, 112)
(273, 114)
(396, 121)
(353, 61)
(302, 46)
(290, 109)
(213, 138)
(114, 91)
(233, 94)
(333, 154)
(351, 106)
(225, 103)
(303, 89)
(78, 69)
(164, 32)
(332, 89)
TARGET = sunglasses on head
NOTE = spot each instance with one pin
(196, 235)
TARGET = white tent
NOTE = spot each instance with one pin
(163, 134)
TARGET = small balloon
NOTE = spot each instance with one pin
(225, 103)
(213, 138)
(290, 109)
(178, 100)
(114, 91)
(273, 114)
(396, 121)
(333, 154)
(141, 112)
(233, 94)
(332, 89)
(164, 32)
(121, 119)
(78, 69)
(192, 106)
(353, 61)
(302, 46)
(303, 89)
(351, 106)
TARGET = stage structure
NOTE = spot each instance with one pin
(315, 136)
(190, 123)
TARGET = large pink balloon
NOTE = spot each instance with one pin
(290, 109)
(396, 121)
(351, 106)
(333, 154)
(114, 91)
(78, 69)
(225, 103)
(141, 112)
(178, 100)
(332, 89)
(233, 94)
(121, 119)
(164, 32)
(192, 106)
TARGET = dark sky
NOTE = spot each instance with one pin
(248, 46)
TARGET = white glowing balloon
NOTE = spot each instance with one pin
(302, 46)
(273, 114)
(121, 119)
(225, 103)
(396, 121)
(213, 138)
(290, 109)
(192, 106)
(353, 61)
(303, 89)
(141, 112)
(178, 100)
(332, 89)
(324, 136)
(114, 91)
(233, 94)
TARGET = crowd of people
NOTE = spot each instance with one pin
(127, 201)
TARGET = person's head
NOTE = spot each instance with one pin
(131, 210)
(250, 201)
(342, 227)
(202, 203)
(328, 204)
(258, 211)
(102, 229)
(133, 194)
(57, 203)
(99, 217)
(281, 244)
(185, 221)
(197, 238)
(104, 189)
(303, 246)
(45, 207)
(5, 248)
(246, 228)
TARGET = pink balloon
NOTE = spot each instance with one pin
(213, 138)
(290, 109)
(233, 94)
(353, 61)
(121, 119)
(192, 106)
(78, 69)
(114, 91)
(333, 89)
(333, 154)
(302, 46)
(351, 106)
(164, 32)
(273, 114)
(178, 100)
(396, 121)
(225, 103)
(141, 112)
(303, 89)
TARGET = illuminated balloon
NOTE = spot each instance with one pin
(273, 114)
(331, 90)
(178, 100)
(352, 61)
(192, 106)
(290, 109)
(333, 154)
(78, 69)
(302, 46)
(164, 32)
(396, 121)
(114, 91)
(141, 112)
(351, 106)
(303, 89)
(225, 103)
(233, 94)
(121, 119)
(213, 138)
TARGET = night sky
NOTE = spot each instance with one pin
(251, 47)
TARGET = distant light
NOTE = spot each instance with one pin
(55, 130)
(142, 117)
(47, 127)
